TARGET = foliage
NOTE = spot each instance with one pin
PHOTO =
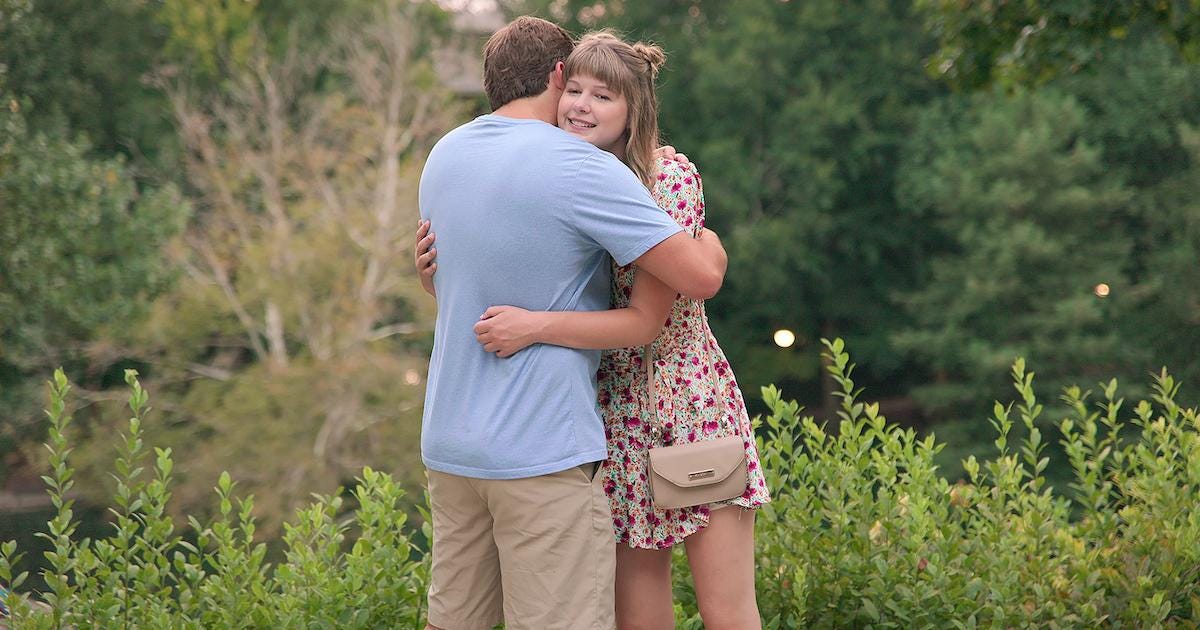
(1041, 195)
(298, 306)
(209, 40)
(80, 248)
(862, 531)
(1034, 225)
(84, 63)
(1031, 42)
(1146, 130)
(147, 574)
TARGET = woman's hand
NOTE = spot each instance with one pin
(668, 152)
(424, 255)
(506, 330)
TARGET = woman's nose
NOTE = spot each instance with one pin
(581, 103)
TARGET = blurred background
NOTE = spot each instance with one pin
(221, 194)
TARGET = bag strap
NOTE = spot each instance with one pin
(648, 362)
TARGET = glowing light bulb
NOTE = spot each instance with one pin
(1102, 290)
(784, 338)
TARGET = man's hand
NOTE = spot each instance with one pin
(668, 152)
(424, 255)
(506, 330)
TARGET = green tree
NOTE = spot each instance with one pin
(294, 344)
(1035, 225)
(84, 64)
(80, 252)
(1031, 42)
(1147, 131)
(1140, 95)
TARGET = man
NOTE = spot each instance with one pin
(528, 215)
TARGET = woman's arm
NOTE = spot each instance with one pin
(507, 330)
(696, 267)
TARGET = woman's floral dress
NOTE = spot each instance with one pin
(698, 398)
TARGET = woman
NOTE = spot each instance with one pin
(609, 101)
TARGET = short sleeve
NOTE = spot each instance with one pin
(677, 189)
(615, 211)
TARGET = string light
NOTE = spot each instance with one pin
(1102, 290)
(784, 338)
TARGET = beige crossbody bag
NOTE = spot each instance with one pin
(697, 473)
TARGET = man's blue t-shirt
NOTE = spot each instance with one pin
(525, 215)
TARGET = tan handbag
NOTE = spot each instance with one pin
(697, 473)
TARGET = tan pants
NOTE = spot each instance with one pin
(533, 553)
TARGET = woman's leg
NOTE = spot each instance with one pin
(644, 589)
(722, 560)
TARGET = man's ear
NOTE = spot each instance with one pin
(556, 76)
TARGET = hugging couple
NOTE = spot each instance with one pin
(560, 233)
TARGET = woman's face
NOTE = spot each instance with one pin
(592, 111)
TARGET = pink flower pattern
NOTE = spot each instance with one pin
(698, 397)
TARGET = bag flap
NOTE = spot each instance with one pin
(698, 463)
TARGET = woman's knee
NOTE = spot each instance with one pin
(731, 612)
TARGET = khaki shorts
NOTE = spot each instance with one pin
(533, 553)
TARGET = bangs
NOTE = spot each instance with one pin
(596, 60)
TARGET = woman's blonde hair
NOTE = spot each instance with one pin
(630, 70)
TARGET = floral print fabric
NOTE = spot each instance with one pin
(697, 396)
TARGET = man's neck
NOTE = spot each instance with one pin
(534, 108)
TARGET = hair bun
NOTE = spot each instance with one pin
(653, 55)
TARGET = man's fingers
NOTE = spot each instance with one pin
(429, 271)
(493, 311)
(423, 227)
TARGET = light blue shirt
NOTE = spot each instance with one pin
(525, 215)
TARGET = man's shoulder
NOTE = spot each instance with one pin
(537, 139)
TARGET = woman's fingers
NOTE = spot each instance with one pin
(423, 252)
(426, 259)
(425, 243)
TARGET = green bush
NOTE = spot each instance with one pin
(863, 532)
(146, 575)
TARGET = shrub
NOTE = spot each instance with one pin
(146, 575)
(863, 531)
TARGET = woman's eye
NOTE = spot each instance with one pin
(604, 97)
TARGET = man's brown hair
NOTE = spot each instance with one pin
(518, 59)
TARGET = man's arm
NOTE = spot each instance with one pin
(695, 267)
